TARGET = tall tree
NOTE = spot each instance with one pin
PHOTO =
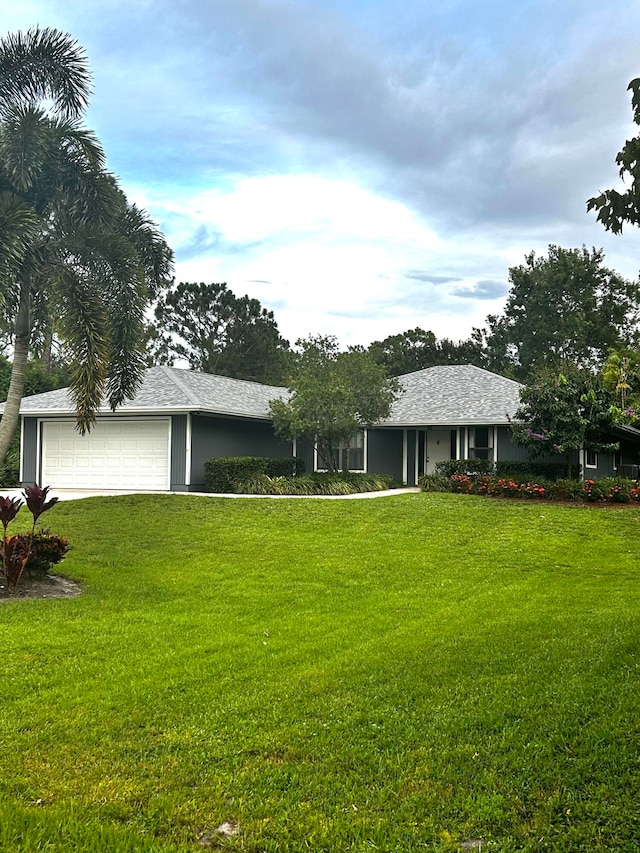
(218, 332)
(565, 307)
(333, 395)
(561, 413)
(417, 349)
(614, 207)
(85, 259)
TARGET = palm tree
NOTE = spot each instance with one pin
(75, 255)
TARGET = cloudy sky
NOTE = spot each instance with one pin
(361, 167)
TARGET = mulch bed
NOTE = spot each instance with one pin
(49, 586)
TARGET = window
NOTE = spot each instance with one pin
(351, 456)
(590, 459)
(481, 443)
(348, 454)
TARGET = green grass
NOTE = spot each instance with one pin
(404, 674)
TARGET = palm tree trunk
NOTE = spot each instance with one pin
(47, 350)
(11, 413)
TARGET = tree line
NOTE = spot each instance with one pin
(563, 307)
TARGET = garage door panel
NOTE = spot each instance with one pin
(114, 455)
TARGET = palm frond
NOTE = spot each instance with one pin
(19, 227)
(26, 146)
(85, 329)
(155, 256)
(44, 63)
(125, 295)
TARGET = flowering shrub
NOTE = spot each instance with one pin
(592, 491)
(503, 487)
(532, 490)
(461, 483)
(611, 490)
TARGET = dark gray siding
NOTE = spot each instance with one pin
(605, 467)
(510, 452)
(179, 453)
(304, 450)
(30, 473)
(384, 452)
(216, 436)
(507, 450)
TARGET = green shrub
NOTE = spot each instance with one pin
(517, 471)
(531, 470)
(470, 467)
(434, 483)
(222, 473)
(285, 466)
(567, 490)
(10, 469)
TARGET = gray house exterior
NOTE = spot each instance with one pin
(160, 440)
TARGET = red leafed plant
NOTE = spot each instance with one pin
(15, 553)
(37, 502)
(9, 508)
(16, 550)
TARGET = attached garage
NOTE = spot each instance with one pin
(118, 453)
(158, 441)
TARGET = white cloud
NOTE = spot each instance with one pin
(352, 165)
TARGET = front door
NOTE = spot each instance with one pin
(438, 448)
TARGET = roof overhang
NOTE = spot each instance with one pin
(453, 422)
(174, 410)
(626, 431)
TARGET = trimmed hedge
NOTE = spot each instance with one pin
(536, 470)
(471, 467)
(516, 470)
(222, 473)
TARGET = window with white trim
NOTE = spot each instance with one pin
(590, 459)
(481, 443)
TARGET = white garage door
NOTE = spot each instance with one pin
(116, 454)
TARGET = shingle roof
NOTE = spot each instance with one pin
(447, 395)
(454, 395)
(172, 389)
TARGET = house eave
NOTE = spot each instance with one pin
(450, 422)
(145, 410)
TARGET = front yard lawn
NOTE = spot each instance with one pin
(426, 672)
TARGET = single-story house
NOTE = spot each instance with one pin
(159, 440)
